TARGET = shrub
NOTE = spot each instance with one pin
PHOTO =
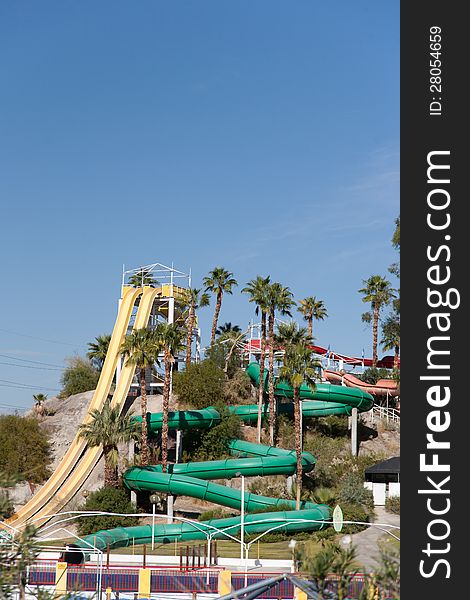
(200, 385)
(80, 376)
(352, 491)
(273, 486)
(6, 505)
(106, 499)
(354, 512)
(372, 375)
(392, 504)
(216, 513)
(238, 389)
(24, 449)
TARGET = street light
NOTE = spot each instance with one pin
(153, 499)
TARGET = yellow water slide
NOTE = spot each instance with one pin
(79, 460)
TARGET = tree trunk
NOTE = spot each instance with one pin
(272, 399)
(189, 335)
(110, 471)
(166, 407)
(396, 357)
(216, 316)
(298, 446)
(262, 358)
(310, 327)
(144, 443)
(375, 328)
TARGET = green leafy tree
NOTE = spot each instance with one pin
(169, 337)
(80, 376)
(107, 429)
(107, 499)
(98, 350)
(258, 291)
(279, 300)
(312, 309)
(15, 558)
(194, 299)
(141, 349)
(201, 385)
(142, 277)
(300, 367)
(24, 449)
(219, 282)
(378, 292)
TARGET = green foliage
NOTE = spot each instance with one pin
(392, 504)
(24, 449)
(351, 490)
(268, 509)
(6, 505)
(218, 353)
(355, 512)
(80, 376)
(272, 486)
(372, 375)
(200, 385)
(215, 513)
(14, 561)
(107, 499)
(214, 442)
(98, 350)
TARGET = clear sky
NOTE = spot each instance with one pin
(259, 136)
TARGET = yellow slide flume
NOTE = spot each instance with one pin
(78, 461)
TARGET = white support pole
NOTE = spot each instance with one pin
(354, 432)
(179, 445)
(198, 345)
(242, 522)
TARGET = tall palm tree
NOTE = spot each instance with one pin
(170, 338)
(98, 350)
(311, 309)
(391, 336)
(257, 289)
(219, 282)
(108, 428)
(142, 277)
(140, 349)
(378, 292)
(279, 300)
(194, 299)
(39, 407)
(290, 334)
(299, 367)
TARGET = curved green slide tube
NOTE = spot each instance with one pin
(191, 479)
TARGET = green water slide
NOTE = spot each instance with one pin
(193, 478)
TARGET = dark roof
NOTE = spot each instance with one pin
(392, 465)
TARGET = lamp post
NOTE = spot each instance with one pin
(153, 499)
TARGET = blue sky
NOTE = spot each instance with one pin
(260, 136)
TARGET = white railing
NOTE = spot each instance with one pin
(386, 414)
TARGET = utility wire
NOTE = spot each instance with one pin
(31, 367)
(33, 337)
(36, 362)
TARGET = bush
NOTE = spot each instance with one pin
(355, 512)
(106, 499)
(200, 385)
(238, 389)
(24, 449)
(6, 505)
(372, 375)
(80, 376)
(273, 486)
(216, 513)
(352, 491)
(392, 504)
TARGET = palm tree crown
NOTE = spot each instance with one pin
(142, 277)
(257, 289)
(98, 350)
(108, 428)
(312, 309)
(219, 282)
(228, 330)
(290, 334)
(193, 300)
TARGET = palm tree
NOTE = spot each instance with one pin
(170, 338)
(300, 367)
(219, 282)
(108, 428)
(140, 349)
(194, 299)
(142, 277)
(39, 407)
(311, 309)
(98, 350)
(227, 330)
(278, 299)
(289, 334)
(391, 336)
(257, 288)
(378, 292)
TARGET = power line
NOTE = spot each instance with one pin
(25, 386)
(33, 337)
(31, 367)
(36, 362)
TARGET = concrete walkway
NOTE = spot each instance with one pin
(367, 541)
